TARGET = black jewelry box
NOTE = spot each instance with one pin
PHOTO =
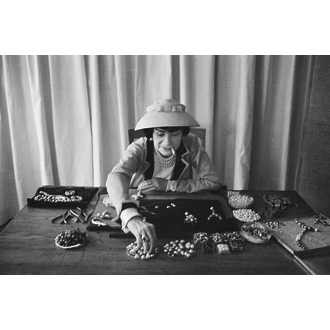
(168, 217)
(62, 196)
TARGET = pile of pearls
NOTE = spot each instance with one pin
(180, 249)
(246, 215)
(238, 201)
(190, 218)
(138, 253)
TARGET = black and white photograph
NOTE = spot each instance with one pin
(213, 158)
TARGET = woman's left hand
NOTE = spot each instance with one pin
(152, 184)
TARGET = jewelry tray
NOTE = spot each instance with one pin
(168, 216)
(315, 243)
(86, 194)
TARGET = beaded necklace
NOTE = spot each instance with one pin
(164, 161)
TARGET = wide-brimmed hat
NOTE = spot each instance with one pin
(166, 113)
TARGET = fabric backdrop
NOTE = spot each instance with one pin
(64, 119)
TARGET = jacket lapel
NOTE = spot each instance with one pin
(150, 159)
(181, 164)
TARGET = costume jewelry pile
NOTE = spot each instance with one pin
(256, 232)
(68, 197)
(97, 219)
(138, 253)
(220, 242)
(71, 238)
(278, 201)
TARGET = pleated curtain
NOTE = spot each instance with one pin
(64, 119)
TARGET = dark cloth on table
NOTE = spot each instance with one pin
(169, 220)
(86, 193)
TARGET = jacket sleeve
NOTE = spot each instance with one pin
(118, 181)
(205, 175)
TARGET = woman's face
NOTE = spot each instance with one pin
(165, 140)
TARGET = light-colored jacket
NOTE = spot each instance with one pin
(193, 171)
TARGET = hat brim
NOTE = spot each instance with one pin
(166, 119)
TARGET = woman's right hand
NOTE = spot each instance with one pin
(144, 233)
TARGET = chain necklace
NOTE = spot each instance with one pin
(164, 161)
(278, 201)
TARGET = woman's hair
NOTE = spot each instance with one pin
(184, 129)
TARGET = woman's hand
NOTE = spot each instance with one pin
(152, 184)
(144, 233)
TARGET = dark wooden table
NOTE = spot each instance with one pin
(27, 247)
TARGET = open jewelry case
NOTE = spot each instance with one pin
(303, 236)
(62, 196)
(174, 218)
(183, 217)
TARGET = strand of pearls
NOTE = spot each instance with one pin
(164, 161)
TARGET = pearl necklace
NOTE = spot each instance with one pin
(164, 161)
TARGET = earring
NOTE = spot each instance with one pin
(151, 139)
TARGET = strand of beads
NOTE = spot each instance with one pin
(302, 225)
(164, 161)
(305, 228)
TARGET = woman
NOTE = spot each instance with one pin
(167, 159)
